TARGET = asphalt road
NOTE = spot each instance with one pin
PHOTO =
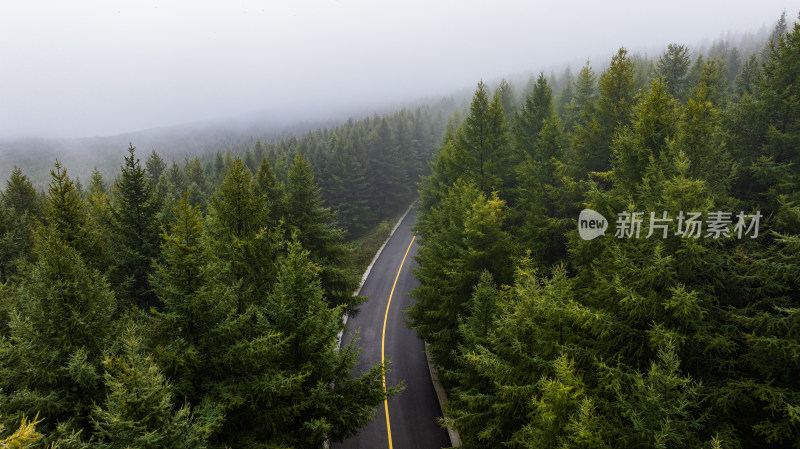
(412, 414)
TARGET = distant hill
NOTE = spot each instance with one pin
(81, 155)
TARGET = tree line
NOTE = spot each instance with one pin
(198, 305)
(545, 339)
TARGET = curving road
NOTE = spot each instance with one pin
(412, 414)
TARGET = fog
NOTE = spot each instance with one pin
(87, 68)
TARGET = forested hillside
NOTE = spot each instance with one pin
(198, 304)
(678, 328)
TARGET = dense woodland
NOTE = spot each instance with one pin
(547, 340)
(198, 304)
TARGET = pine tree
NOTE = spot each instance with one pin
(66, 211)
(197, 181)
(565, 94)
(659, 408)
(59, 325)
(388, 181)
(139, 410)
(524, 391)
(673, 68)
(591, 143)
(530, 120)
(654, 124)
(472, 394)
(780, 97)
(747, 76)
(460, 238)
(349, 188)
(213, 339)
(317, 232)
(219, 168)
(193, 309)
(614, 102)
(273, 191)
(21, 196)
(476, 153)
(764, 127)
(98, 208)
(580, 121)
(237, 225)
(324, 401)
(154, 166)
(545, 203)
(20, 207)
(16, 240)
(581, 108)
(701, 140)
(508, 100)
(778, 31)
(714, 77)
(250, 160)
(134, 230)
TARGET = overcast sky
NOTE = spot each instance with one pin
(82, 68)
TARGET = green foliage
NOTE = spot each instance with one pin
(537, 109)
(673, 68)
(66, 213)
(15, 241)
(659, 341)
(657, 409)
(508, 100)
(349, 187)
(547, 197)
(591, 142)
(764, 127)
(389, 183)
(134, 226)
(479, 152)
(155, 166)
(139, 409)
(59, 323)
(543, 339)
(318, 233)
(469, 239)
(20, 208)
(238, 218)
(581, 106)
(25, 436)
(272, 190)
(654, 123)
(21, 196)
(234, 340)
(318, 403)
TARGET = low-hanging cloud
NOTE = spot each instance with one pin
(85, 68)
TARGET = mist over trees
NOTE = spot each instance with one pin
(196, 303)
(199, 304)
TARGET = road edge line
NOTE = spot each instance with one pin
(327, 445)
(441, 395)
(380, 250)
(369, 269)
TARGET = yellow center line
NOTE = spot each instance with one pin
(383, 339)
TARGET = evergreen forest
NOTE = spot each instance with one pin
(199, 303)
(663, 338)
